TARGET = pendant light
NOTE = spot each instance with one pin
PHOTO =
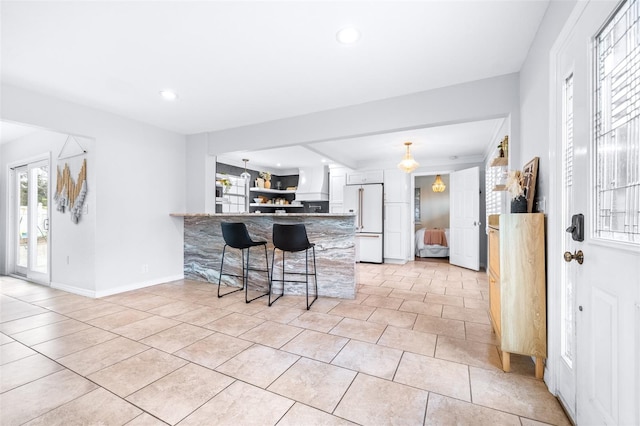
(245, 175)
(408, 164)
(438, 185)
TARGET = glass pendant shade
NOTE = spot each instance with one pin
(245, 175)
(408, 164)
(438, 185)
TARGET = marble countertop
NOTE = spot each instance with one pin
(261, 214)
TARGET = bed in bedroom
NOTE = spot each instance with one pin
(432, 242)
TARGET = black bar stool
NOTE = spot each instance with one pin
(236, 236)
(293, 238)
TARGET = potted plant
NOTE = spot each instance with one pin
(266, 176)
(226, 183)
(516, 187)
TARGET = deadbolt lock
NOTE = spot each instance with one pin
(578, 256)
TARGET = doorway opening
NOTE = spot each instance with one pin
(431, 219)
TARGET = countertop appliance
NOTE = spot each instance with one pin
(366, 201)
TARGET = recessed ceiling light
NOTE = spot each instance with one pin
(348, 35)
(324, 160)
(168, 95)
(278, 165)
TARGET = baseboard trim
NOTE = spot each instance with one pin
(138, 285)
(111, 291)
(72, 289)
(395, 261)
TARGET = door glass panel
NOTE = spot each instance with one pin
(617, 127)
(40, 179)
(567, 326)
(22, 249)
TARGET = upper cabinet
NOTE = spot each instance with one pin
(396, 186)
(371, 176)
(337, 181)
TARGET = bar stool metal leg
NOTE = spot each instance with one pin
(246, 277)
(220, 275)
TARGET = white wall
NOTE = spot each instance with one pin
(139, 179)
(534, 96)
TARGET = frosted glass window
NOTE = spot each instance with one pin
(567, 326)
(617, 129)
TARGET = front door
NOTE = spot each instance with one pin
(597, 72)
(30, 221)
(464, 218)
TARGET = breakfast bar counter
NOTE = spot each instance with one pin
(333, 235)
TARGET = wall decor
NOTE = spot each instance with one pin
(530, 172)
(70, 194)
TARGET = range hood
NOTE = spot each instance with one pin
(313, 184)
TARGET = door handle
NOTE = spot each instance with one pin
(578, 256)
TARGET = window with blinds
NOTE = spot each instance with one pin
(617, 129)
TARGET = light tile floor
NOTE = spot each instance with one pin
(415, 347)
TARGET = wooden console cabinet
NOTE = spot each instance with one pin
(517, 295)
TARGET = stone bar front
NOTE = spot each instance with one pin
(333, 235)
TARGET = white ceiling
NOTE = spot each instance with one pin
(235, 63)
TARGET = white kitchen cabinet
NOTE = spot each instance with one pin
(396, 220)
(396, 186)
(370, 176)
(337, 181)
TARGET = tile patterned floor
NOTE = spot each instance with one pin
(414, 348)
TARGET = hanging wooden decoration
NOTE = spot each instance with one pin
(71, 194)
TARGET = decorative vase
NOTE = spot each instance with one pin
(519, 205)
(267, 184)
(260, 183)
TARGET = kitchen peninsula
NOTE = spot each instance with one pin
(333, 235)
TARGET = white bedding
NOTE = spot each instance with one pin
(431, 250)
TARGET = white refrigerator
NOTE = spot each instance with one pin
(366, 201)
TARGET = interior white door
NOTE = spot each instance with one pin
(464, 218)
(606, 187)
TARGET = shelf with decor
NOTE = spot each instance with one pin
(273, 198)
(273, 191)
(500, 162)
(272, 205)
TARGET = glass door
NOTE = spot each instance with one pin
(31, 221)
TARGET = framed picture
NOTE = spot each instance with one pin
(416, 202)
(530, 172)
